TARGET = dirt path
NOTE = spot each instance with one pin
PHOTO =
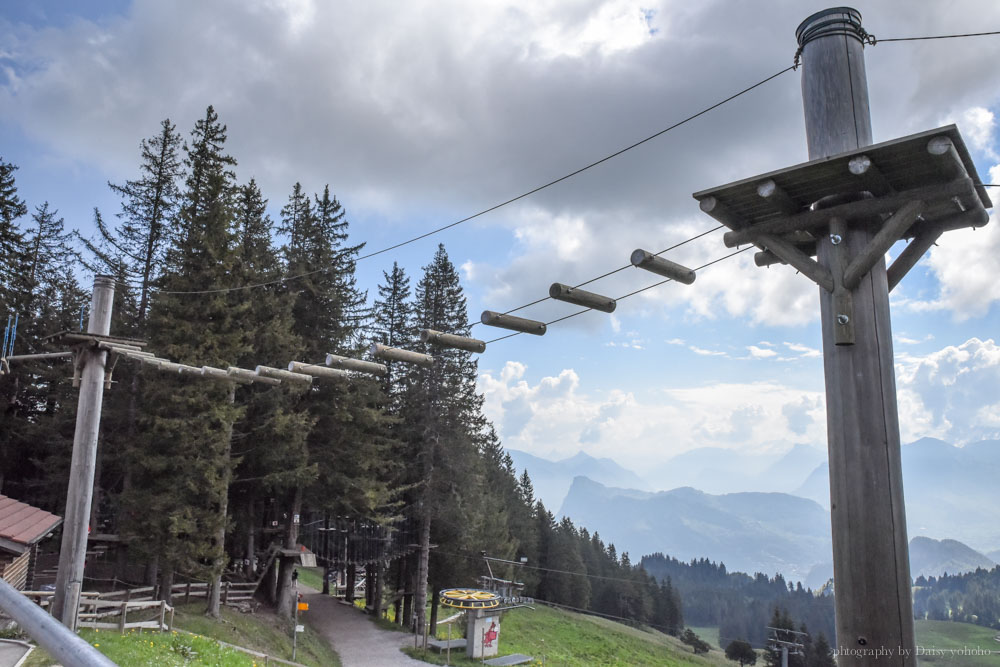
(358, 641)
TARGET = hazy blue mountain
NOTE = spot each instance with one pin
(552, 479)
(817, 485)
(994, 556)
(765, 532)
(930, 557)
(951, 492)
(718, 470)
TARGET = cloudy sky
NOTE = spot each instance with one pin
(420, 113)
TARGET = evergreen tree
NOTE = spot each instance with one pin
(393, 326)
(444, 411)
(741, 652)
(12, 207)
(185, 467)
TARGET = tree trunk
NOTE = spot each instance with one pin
(326, 553)
(212, 608)
(377, 596)
(152, 571)
(420, 592)
(435, 599)
(352, 581)
(286, 595)
(167, 583)
(249, 570)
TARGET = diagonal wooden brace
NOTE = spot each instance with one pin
(891, 231)
(801, 261)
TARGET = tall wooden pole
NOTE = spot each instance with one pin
(69, 580)
(870, 551)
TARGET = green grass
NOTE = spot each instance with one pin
(953, 639)
(311, 577)
(577, 640)
(709, 634)
(262, 631)
(154, 648)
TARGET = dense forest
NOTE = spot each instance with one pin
(194, 475)
(743, 606)
(972, 597)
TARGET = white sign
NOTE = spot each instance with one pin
(300, 628)
(295, 518)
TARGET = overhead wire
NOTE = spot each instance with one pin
(506, 202)
(643, 289)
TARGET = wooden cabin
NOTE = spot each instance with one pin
(22, 527)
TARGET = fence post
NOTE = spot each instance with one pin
(171, 625)
(187, 593)
(121, 621)
(163, 613)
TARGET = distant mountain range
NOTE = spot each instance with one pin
(751, 532)
(551, 479)
(951, 492)
(952, 495)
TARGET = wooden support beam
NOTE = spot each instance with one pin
(38, 357)
(715, 208)
(318, 371)
(843, 301)
(911, 254)
(223, 376)
(281, 374)
(494, 319)
(644, 259)
(246, 374)
(891, 231)
(863, 208)
(580, 297)
(395, 354)
(451, 340)
(777, 198)
(871, 178)
(801, 261)
(185, 369)
(348, 364)
(947, 162)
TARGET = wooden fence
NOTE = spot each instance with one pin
(97, 608)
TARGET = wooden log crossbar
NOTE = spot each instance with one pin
(916, 187)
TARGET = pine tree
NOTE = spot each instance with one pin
(12, 207)
(444, 411)
(185, 466)
(393, 326)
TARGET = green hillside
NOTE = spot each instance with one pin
(577, 640)
(949, 643)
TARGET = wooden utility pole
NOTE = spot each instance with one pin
(871, 566)
(847, 206)
(92, 359)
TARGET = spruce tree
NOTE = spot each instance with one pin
(444, 413)
(12, 207)
(185, 466)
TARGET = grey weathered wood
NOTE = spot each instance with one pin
(890, 232)
(318, 371)
(69, 578)
(451, 340)
(512, 322)
(864, 208)
(843, 302)
(246, 374)
(772, 193)
(283, 375)
(871, 178)
(801, 261)
(348, 364)
(911, 255)
(870, 550)
(580, 297)
(396, 354)
(646, 260)
(721, 212)
(947, 161)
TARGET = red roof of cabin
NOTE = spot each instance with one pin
(24, 524)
